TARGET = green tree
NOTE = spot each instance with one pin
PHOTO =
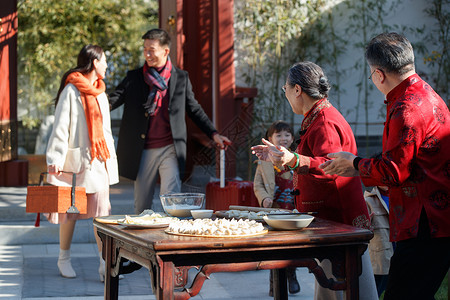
(437, 53)
(52, 32)
(271, 35)
(264, 30)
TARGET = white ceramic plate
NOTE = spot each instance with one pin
(157, 225)
(112, 219)
(202, 213)
(288, 222)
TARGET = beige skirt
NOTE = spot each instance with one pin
(98, 204)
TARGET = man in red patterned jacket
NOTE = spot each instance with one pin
(415, 165)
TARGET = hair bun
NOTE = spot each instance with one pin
(324, 86)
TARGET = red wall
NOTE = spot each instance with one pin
(208, 50)
(204, 33)
(8, 80)
(13, 172)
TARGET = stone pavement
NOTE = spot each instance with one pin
(28, 258)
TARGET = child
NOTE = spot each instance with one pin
(273, 187)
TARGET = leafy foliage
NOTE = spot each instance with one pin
(264, 30)
(52, 33)
(438, 54)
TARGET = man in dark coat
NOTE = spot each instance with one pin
(153, 134)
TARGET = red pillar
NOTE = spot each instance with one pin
(226, 112)
(223, 63)
(13, 172)
(209, 59)
(171, 20)
(204, 35)
(8, 80)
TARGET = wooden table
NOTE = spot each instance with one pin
(167, 256)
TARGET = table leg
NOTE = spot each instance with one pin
(280, 284)
(166, 280)
(111, 283)
(352, 265)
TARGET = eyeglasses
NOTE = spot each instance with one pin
(283, 88)
(370, 77)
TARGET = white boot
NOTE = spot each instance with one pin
(101, 269)
(64, 265)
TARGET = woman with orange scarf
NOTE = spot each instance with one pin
(81, 142)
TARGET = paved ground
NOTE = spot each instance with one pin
(28, 258)
(30, 272)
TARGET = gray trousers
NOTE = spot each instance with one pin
(367, 287)
(159, 161)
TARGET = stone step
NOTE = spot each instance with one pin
(13, 199)
(13, 203)
(24, 232)
(17, 226)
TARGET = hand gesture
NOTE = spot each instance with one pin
(267, 202)
(341, 165)
(54, 169)
(221, 141)
(278, 155)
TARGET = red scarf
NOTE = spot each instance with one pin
(94, 120)
(158, 83)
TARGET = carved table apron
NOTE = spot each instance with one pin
(167, 256)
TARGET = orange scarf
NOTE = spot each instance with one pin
(89, 93)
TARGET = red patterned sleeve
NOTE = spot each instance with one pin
(403, 135)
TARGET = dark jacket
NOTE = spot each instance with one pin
(133, 92)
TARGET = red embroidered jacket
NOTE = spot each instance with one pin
(416, 160)
(334, 197)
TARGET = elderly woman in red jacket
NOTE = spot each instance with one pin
(323, 130)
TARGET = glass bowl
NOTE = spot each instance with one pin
(181, 204)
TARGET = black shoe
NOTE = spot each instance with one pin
(294, 286)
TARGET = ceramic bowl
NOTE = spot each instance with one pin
(202, 213)
(288, 222)
(181, 204)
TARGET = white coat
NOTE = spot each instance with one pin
(69, 144)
